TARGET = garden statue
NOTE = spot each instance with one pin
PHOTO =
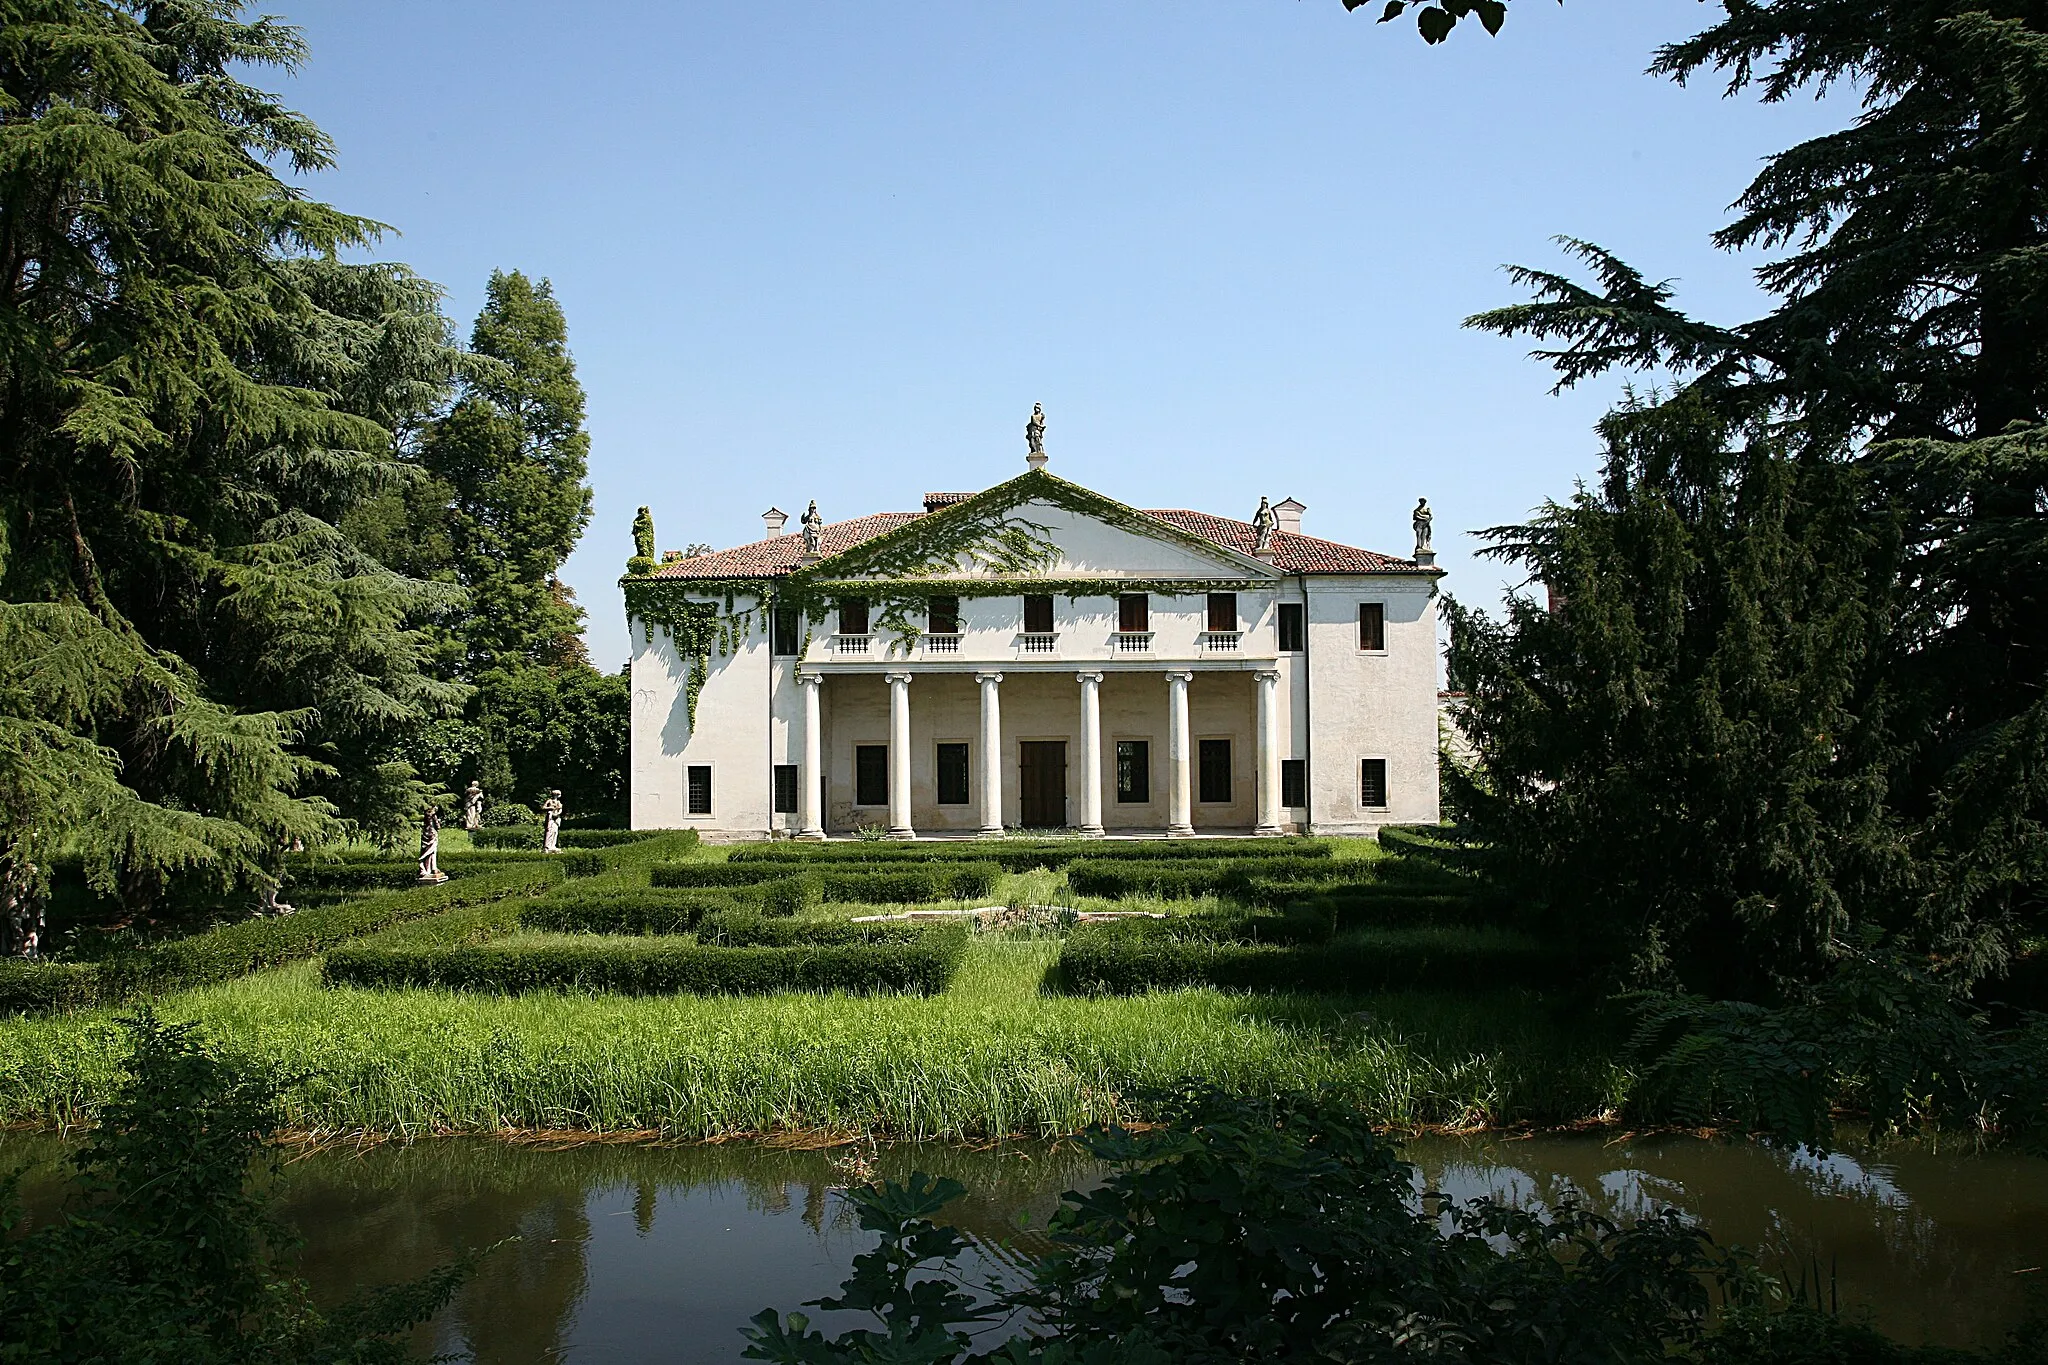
(473, 806)
(430, 846)
(1423, 517)
(1034, 430)
(270, 904)
(551, 822)
(814, 531)
(1264, 522)
(21, 900)
(643, 544)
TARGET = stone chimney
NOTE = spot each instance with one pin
(775, 519)
(1289, 513)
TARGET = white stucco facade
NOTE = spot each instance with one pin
(1183, 727)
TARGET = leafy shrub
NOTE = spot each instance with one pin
(510, 813)
(717, 874)
(908, 885)
(1189, 877)
(658, 966)
(1026, 855)
(167, 1252)
(738, 928)
(237, 949)
(626, 911)
(506, 836)
(352, 871)
(1128, 957)
(1433, 843)
(529, 836)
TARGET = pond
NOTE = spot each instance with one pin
(637, 1253)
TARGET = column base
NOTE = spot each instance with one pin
(1180, 831)
(811, 836)
(904, 833)
(1268, 832)
(1090, 831)
(987, 833)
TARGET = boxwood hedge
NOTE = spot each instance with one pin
(1172, 878)
(1024, 855)
(893, 883)
(1117, 959)
(528, 836)
(627, 910)
(657, 966)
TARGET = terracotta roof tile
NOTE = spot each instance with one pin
(778, 555)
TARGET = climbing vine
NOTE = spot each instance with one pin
(899, 571)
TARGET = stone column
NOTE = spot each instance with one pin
(899, 756)
(1179, 801)
(991, 754)
(1269, 751)
(810, 798)
(1091, 754)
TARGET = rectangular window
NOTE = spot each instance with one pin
(1038, 615)
(1214, 782)
(870, 774)
(1372, 783)
(785, 789)
(1372, 625)
(952, 774)
(1134, 612)
(1223, 611)
(788, 633)
(1293, 627)
(698, 781)
(1294, 783)
(1133, 771)
(853, 616)
(942, 616)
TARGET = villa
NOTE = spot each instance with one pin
(1039, 656)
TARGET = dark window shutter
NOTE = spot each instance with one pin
(1214, 757)
(1038, 614)
(853, 616)
(1294, 782)
(788, 632)
(1293, 627)
(785, 788)
(871, 775)
(942, 616)
(1372, 782)
(952, 774)
(1223, 611)
(1133, 771)
(698, 780)
(1134, 612)
(1372, 625)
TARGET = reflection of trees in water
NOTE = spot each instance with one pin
(1928, 1242)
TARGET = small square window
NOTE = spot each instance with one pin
(871, 775)
(1294, 783)
(1133, 771)
(698, 781)
(1372, 783)
(1222, 611)
(1293, 627)
(1214, 759)
(952, 774)
(1134, 612)
(853, 616)
(1372, 625)
(1038, 614)
(785, 789)
(788, 632)
(942, 616)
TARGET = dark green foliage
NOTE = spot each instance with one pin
(238, 949)
(165, 1253)
(718, 874)
(1130, 956)
(658, 966)
(199, 662)
(891, 883)
(1240, 1232)
(1185, 877)
(319, 872)
(1684, 758)
(1025, 855)
(567, 726)
(529, 836)
(1879, 1033)
(623, 910)
(740, 928)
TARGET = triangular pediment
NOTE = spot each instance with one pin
(1037, 526)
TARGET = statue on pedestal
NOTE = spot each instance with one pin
(430, 846)
(551, 822)
(473, 806)
(1034, 430)
(814, 531)
(1423, 518)
(1265, 522)
(642, 561)
(21, 898)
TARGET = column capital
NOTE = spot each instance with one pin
(982, 677)
(1267, 675)
(810, 679)
(1174, 675)
(1088, 676)
(898, 675)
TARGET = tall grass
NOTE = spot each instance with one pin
(993, 1055)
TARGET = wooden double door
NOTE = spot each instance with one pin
(1042, 783)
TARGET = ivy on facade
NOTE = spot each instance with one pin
(901, 570)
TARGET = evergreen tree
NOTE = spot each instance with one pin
(511, 457)
(193, 392)
(1910, 338)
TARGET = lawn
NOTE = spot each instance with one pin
(997, 1053)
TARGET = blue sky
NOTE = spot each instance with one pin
(837, 251)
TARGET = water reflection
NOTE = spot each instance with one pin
(630, 1254)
